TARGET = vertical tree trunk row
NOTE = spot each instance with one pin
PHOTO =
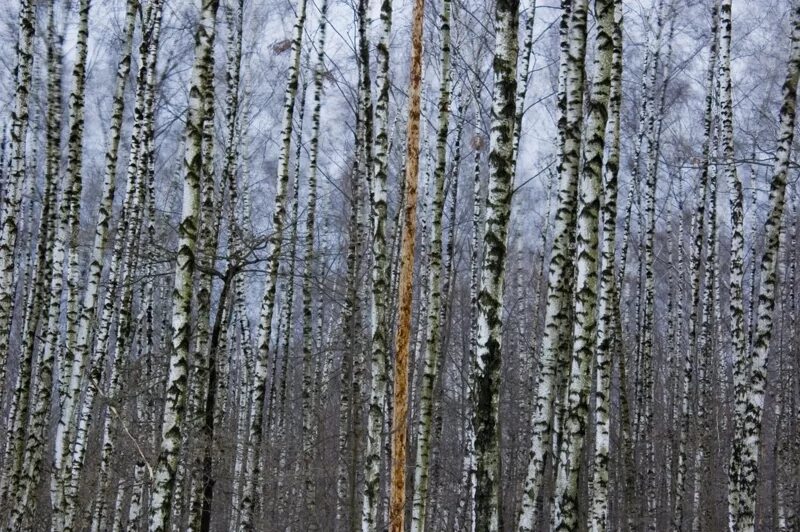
(751, 427)
(176, 387)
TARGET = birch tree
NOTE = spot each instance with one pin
(490, 295)
(433, 344)
(605, 300)
(698, 305)
(41, 275)
(15, 183)
(750, 430)
(175, 406)
(119, 269)
(68, 219)
(252, 464)
(468, 467)
(380, 275)
(556, 331)
(569, 463)
(399, 426)
(64, 433)
(737, 240)
(307, 392)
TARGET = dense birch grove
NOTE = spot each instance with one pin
(425, 265)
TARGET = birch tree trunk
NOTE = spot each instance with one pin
(524, 77)
(203, 356)
(252, 463)
(433, 344)
(468, 468)
(708, 190)
(739, 337)
(556, 323)
(64, 431)
(605, 300)
(399, 426)
(488, 514)
(347, 411)
(175, 405)
(243, 323)
(644, 415)
(15, 183)
(380, 278)
(121, 266)
(288, 310)
(705, 344)
(751, 427)
(69, 215)
(307, 437)
(577, 407)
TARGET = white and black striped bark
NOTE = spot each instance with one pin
(604, 352)
(555, 338)
(380, 279)
(707, 190)
(448, 281)
(175, 399)
(15, 182)
(738, 334)
(41, 275)
(433, 343)
(68, 220)
(120, 267)
(751, 427)
(241, 319)
(203, 358)
(467, 501)
(486, 397)
(577, 406)
(705, 342)
(309, 364)
(285, 335)
(253, 463)
(121, 349)
(64, 431)
(345, 483)
(644, 414)
(523, 76)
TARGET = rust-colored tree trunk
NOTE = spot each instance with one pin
(400, 399)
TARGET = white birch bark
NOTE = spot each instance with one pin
(252, 463)
(309, 364)
(15, 183)
(467, 501)
(380, 278)
(36, 297)
(202, 356)
(751, 427)
(738, 335)
(577, 407)
(604, 352)
(69, 215)
(64, 431)
(556, 330)
(175, 406)
(490, 298)
(433, 343)
(698, 306)
(120, 266)
(523, 76)
(644, 417)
